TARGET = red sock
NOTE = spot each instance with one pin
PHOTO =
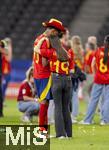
(46, 118)
(43, 114)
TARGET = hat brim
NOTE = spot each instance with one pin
(58, 27)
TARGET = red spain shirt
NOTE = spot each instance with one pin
(88, 61)
(41, 71)
(56, 65)
(102, 70)
(79, 59)
(6, 65)
(25, 90)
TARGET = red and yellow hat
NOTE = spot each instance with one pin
(54, 23)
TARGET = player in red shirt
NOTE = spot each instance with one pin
(77, 48)
(42, 68)
(88, 60)
(27, 97)
(6, 66)
(100, 65)
(91, 47)
(2, 52)
(65, 40)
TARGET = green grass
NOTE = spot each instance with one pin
(92, 137)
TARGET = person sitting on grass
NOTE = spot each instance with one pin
(27, 102)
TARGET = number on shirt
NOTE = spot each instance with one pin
(103, 68)
(57, 66)
(64, 66)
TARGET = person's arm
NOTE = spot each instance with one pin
(47, 53)
(27, 98)
(37, 47)
(71, 61)
(42, 48)
(9, 55)
(71, 66)
(25, 93)
(93, 65)
(2, 50)
(3, 46)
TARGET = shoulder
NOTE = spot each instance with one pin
(41, 37)
(99, 50)
(70, 51)
(24, 84)
(71, 54)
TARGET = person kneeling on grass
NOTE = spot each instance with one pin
(27, 102)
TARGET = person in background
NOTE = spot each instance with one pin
(2, 52)
(77, 48)
(1, 98)
(100, 67)
(91, 47)
(6, 66)
(65, 40)
(27, 100)
(51, 110)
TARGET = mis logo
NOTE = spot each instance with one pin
(24, 137)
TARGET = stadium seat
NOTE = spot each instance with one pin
(24, 19)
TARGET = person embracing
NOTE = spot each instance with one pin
(61, 65)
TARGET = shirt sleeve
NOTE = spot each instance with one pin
(71, 60)
(45, 51)
(96, 53)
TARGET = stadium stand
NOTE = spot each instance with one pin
(90, 19)
(103, 31)
(21, 20)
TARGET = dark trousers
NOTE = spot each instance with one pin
(1, 98)
(5, 81)
(62, 91)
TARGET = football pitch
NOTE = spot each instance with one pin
(90, 137)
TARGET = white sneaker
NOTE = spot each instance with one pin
(74, 119)
(62, 137)
(51, 122)
(26, 119)
(103, 123)
(52, 136)
(84, 123)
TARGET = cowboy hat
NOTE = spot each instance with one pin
(55, 24)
